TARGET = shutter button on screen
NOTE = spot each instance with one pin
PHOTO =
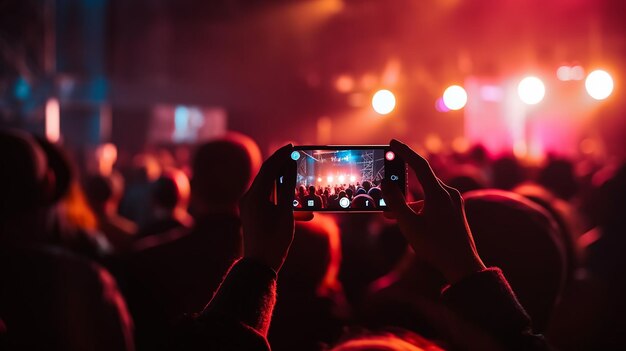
(344, 202)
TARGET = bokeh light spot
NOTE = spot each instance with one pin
(531, 90)
(383, 102)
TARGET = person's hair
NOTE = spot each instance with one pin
(165, 192)
(397, 340)
(507, 172)
(520, 237)
(312, 190)
(98, 189)
(367, 185)
(23, 172)
(315, 256)
(59, 165)
(223, 169)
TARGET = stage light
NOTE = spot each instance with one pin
(390, 155)
(330, 179)
(455, 97)
(577, 73)
(383, 102)
(344, 83)
(352, 179)
(563, 73)
(319, 179)
(599, 84)
(53, 120)
(341, 179)
(531, 90)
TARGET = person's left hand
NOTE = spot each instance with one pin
(268, 227)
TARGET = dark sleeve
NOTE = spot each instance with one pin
(238, 316)
(486, 300)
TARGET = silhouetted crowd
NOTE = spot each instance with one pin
(160, 253)
(359, 196)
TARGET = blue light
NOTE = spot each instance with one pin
(181, 122)
(22, 89)
(295, 155)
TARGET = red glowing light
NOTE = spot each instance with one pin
(390, 155)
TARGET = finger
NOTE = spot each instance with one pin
(396, 201)
(285, 192)
(417, 206)
(455, 195)
(422, 169)
(263, 183)
(303, 216)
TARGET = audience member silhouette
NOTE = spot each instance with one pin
(310, 287)
(50, 299)
(104, 194)
(169, 197)
(523, 240)
(176, 272)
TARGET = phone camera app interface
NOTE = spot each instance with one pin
(340, 180)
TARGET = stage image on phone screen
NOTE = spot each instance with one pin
(335, 179)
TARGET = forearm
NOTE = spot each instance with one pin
(247, 296)
(486, 300)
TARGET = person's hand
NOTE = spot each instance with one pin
(439, 232)
(268, 225)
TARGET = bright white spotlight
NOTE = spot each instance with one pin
(319, 179)
(455, 97)
(329, 179)
(599, 84)
(352, 179)
(341, 179)
(531, 90)
(383, 102)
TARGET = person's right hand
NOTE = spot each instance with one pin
(439, 232)
(268, 225)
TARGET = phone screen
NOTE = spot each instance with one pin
(344, 178)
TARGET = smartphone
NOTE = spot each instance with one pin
(344, 178)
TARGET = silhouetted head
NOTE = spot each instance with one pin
(314, 257)
(558, 176)
(170, 190)
(466, 178)
(520, 237)
(367, 185)
(387, 341)
(349, 192)
(376, 194)
(363, 201)
(24, 183)
(507, 172)
(60, 167)
(99, 191)
(312, 190)
(223, 170)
